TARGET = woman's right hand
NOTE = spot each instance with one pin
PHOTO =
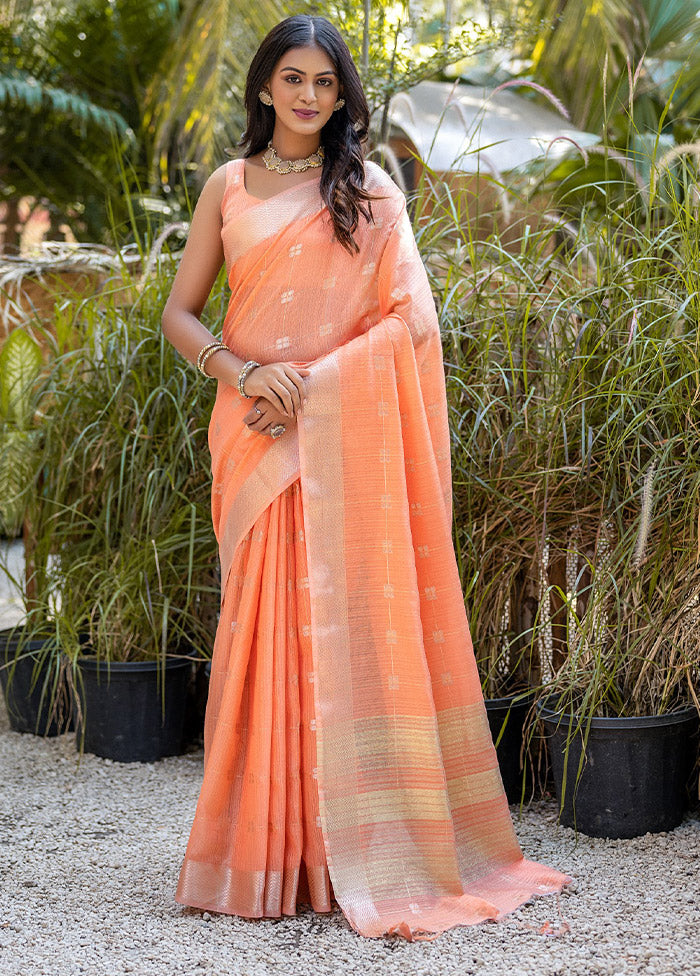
(262, 416)
(279, 383)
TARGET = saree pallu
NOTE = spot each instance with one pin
(348, 754)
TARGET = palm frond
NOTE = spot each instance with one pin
(23, 91)
(196, 100)
(588, 51)
(671, 24)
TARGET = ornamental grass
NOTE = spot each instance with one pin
(573, 380)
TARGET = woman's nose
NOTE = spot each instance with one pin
(307, 93)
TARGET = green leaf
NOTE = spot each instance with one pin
(25, 91)
(20, 362)
(17, 470)
(670, 21)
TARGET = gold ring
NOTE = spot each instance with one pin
(277, 430)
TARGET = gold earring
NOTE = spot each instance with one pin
(265, 97)
(339, 104)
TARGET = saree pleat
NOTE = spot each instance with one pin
(258, 850)
(348, 755)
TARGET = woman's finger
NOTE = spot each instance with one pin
(255, 412)
(265, 416)
(296, 394)
(270, 417)
(299, 388)
(285, 397)
(292, 380)
(283, 382)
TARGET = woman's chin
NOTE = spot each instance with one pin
(303, 127)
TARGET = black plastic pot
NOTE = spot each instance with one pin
(122, 715)
(637, 772)
(27, 684)
(196, 704)
(509, 715)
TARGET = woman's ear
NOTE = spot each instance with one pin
(264, 93)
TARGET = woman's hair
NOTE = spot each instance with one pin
(343, 172)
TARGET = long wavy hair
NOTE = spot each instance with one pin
(343, 172)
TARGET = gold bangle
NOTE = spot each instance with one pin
(205, 349)
(206, 353)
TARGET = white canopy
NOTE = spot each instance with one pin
(468, 128)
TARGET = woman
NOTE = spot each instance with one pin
(347, 751)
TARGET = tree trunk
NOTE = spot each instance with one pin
(11, 237)
(365, 39)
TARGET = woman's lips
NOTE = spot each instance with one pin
(304, 115)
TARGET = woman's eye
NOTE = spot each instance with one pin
(295, 78)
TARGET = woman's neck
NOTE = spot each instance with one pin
(294, 145)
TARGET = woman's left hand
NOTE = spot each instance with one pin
(262, 416)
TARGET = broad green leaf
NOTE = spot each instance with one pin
(20, 362)
(17, 468)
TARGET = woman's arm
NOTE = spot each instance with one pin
(201, 261)
(196, 274)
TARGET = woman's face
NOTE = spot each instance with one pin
(304, 87)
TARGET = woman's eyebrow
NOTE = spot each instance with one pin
(299, 72)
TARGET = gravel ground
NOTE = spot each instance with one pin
(90, 852)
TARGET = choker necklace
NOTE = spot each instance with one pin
(283, 166)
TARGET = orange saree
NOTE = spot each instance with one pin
(347, 750)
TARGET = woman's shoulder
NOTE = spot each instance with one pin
(222, 183)
(387, 195)
(216, 184)
(377, 179)
(218, 177)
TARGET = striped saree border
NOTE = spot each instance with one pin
(416, 823)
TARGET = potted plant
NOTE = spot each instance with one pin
(487, 349)
(135, 551)
(30, 672)
(621, 713)
(621, 707)
(570, 375)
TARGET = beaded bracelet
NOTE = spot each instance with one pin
(247, 368)
(206, 352)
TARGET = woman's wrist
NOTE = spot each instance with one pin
(245, 372)
(224, 365)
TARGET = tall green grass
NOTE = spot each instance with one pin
(573, 378)
(129, 480)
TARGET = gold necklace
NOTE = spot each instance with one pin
(283, 166)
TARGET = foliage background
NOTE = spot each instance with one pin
(572, 349)
(86, 84)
